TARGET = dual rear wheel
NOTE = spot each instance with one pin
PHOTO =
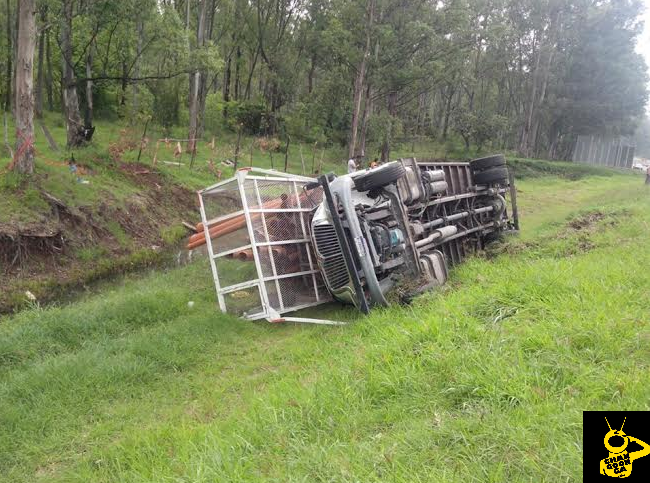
(489, 170)
(378, 177)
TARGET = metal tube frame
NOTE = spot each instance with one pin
(270, 313)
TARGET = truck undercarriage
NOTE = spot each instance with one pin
(281, 242)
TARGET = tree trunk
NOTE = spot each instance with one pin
(419, 120)
(125, 82)
(445, 123)
(226, 81)
(532, 144)
(237, 83)
(524, 142)
(136, 67)
(553, 139)
(203, 94)
(88, 118)
(310, 77)
(368, 106)
(49, 76)
(41, 74)
(193, 109)
(359, 83)
(24, 84)
(392, 111)
(208, 22)
(367, 110)
(9, 74)
(197, 80)
(73, 123)
(247, 92)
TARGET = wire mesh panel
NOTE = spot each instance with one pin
(612, 151)
(222, 200)
(246, 302)
(257, 228)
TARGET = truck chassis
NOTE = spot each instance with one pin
(279, 243)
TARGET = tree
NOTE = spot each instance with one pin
(9, 47)
(24, 86)
(642, 138)
(360, 79)
(327, 70)
(74, 125)
(41, 58)
(199, 77)
(603, 87)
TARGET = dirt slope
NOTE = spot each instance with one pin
(61, 245)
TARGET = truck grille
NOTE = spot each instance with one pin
(332, 260)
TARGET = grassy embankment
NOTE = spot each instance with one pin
(484, 380)
(129, 212)
(119, 219)
(110, 225)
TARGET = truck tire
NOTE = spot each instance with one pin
(378, 177)
(481, 164)
(496, 175)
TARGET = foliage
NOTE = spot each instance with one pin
(251, 116)
(528, 168)
(479, 127)
(642, 138)
(526, 76)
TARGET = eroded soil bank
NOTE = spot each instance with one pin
(67, 247)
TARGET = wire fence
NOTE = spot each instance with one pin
(614, 151)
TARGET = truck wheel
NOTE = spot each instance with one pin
(494, 175)
(378, 177)
(482, 164)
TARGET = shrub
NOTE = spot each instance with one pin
(251, 116)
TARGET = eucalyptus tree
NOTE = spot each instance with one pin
(24, 86)
(525, 75)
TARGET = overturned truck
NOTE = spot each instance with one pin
(278, 243)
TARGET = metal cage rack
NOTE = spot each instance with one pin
(256, 227)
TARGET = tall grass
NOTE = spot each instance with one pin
(483, 380)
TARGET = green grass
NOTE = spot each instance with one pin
(20, 199)
(546, 202)
(483, 380)
(173, 234)
(533, 168)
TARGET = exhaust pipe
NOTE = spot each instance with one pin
(439, 234)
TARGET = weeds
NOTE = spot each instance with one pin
(483, 380)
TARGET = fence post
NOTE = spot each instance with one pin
(144, 134)
(237, 146)
(193, 156)
(286, 154)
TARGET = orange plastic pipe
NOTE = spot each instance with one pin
(237, 223)
(228, 226)
(269, 205)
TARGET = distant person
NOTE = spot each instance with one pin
(647, 175)
(72, 165)
(352, 165)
